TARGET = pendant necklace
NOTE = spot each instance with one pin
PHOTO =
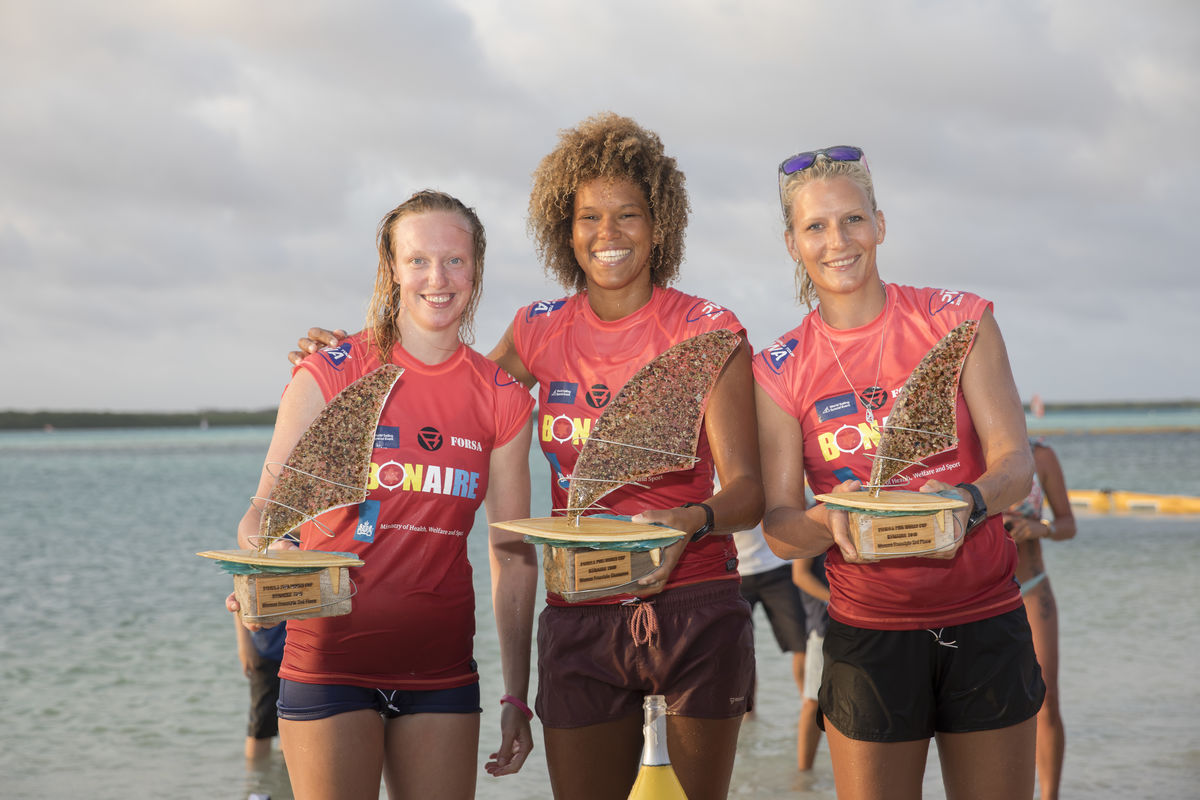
(870, 415)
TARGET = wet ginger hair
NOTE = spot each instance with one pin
(607, 146)
(384, 307)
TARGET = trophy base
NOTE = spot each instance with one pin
(878, 537)
(270, 598)
(587, 573)
(897, 524)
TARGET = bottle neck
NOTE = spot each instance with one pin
(654, 751)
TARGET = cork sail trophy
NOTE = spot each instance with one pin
(328, 468)
(652, 427)
(923, 423)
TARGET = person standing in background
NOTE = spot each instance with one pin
(1024, 522)
(767, 579)
(260, 653)
(809, 576)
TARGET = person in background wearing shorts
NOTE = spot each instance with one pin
(767, 579)
(1027, 525)
(260, 653)
(809, 575)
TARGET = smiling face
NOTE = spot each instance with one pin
(434, 270)
(612, 235)
(834, 234)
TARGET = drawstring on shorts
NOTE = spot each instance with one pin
(643, 623)
(937, 635)
(388, 697)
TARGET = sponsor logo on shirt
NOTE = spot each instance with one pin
(430, 438)
(598, 396)
(841, 405)
(874, 397)
(943, 299)
(702, 309)
(562, 392)
(848, 439)
(468, 444)
(387, 437)
(368, 519)
(564, 429)
(543, 308)
(779, 352)
(336, 356)
(427, 478)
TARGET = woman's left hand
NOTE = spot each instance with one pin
(679, 519)
(516, 743)
(961, 515)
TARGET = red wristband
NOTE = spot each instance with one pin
(520, 706)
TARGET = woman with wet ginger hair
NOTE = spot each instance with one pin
(391, 690)
(934, 646)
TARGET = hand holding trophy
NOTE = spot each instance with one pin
(895, 523)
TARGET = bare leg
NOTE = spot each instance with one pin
(431, 755)
(876, 770)
(989, 765)
(702, 752)
(257, 749)
(1051, 735)
(809, 736)
(596, 762)
(336, 757)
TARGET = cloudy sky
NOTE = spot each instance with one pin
(187, 186)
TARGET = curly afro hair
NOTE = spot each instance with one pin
(612, 147)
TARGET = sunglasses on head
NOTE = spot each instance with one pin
(802, 161)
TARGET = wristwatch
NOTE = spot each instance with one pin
(979, 510)
(708, 520)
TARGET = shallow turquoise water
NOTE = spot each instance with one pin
(120, 677)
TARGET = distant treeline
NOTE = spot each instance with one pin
(36, 420)
(1117, 405)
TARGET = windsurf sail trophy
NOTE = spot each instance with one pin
(328, 468)
(923, 423)
(652, 427)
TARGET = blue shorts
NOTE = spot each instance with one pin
(303, 702)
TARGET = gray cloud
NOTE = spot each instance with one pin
(190, 186)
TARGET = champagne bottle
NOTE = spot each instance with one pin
(656, 779)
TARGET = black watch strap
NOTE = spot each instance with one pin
(979, 510)
(708, 520)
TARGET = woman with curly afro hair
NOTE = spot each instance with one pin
(607, 212)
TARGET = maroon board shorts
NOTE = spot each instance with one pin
(693, 644)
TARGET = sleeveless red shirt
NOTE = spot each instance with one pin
(413, 617)
(580, 362)
(800, 373)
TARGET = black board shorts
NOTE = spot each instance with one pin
(900, 686)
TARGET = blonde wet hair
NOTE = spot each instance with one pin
(822, 169)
